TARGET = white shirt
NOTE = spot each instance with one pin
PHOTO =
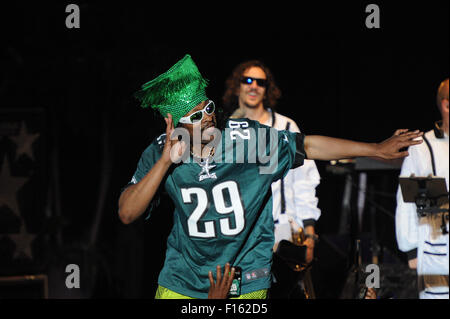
(424, 234)
(299, 190)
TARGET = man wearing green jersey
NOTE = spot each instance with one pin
(220, 181)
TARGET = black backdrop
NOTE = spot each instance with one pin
(338, 78)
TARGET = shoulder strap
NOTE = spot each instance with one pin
(273, 117)
(288, 125)
(283, 199)
(431, 153)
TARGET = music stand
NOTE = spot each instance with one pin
(428, 193)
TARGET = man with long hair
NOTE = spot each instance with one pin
(251, 92)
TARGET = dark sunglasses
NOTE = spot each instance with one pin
(249, 80)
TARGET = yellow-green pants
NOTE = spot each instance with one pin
(164, 293)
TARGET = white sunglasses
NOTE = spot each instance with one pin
(209, 109)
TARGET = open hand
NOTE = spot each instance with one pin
(173, 149)
(390, 149)
(220, 288)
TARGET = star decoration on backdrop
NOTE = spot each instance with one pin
(9, 185)
(23, 242)
(24, 141)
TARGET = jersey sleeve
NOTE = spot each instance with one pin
(148, 158)
(289, 152)
(292, 153)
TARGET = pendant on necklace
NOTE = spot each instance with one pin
(205, 165)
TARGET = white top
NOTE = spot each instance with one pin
(424, 234)
(419, 163)
(299, 190)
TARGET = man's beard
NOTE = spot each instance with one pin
(250, 106)
(254, 104)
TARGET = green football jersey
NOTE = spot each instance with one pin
(223, 208)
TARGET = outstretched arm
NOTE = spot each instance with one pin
(330, 148)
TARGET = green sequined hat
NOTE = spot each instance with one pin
(176, 91)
